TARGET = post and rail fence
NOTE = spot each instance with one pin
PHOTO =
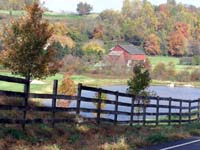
(159, 110)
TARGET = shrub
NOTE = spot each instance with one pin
(195, 132)
(74, 138)
(159, 71)
(72, 64)
(185, 61)
(183, 76)
(170, 71)
(195, 75)
(67, 87)
(190, 60)
(156, 138)
(17, 134)
(196, 60)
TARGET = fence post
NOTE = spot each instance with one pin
(116, 106)
(144, 114)
(169, 115)
(132, 110)
(78, 104)
(157, 110)
(99, 106)
(180, 112)
(198, 114)
(189, 111)
(55, 89)
(25, 104)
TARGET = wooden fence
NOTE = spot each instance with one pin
(119, 108)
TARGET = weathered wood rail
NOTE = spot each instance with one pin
(159, 110)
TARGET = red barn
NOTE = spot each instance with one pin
(126, 53)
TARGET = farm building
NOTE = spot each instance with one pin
(126, 53)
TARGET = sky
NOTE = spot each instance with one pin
(100, 5)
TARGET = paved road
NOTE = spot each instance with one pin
(187, 144)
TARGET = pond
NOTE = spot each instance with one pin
(185, 93)
(166, 91)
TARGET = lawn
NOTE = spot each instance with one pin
(165, 59)
(47, 84)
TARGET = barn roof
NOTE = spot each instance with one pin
(132, 49)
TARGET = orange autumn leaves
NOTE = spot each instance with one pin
(178, 39)
(24, 41)
(152, 45)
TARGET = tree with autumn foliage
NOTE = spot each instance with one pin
(67, 85)
(26, 52)
(178, 39)
(177, 44)
(98, 32)
(60, 35)
(152, 45)
(93, 48)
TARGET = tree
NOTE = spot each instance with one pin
(25, 46)
(98, 32)
(93, 48)
(152, 45)
(178, 39)
(159, 71)
(60, 34)
(137, 84)
(1, 47)
(194, 47)
(127, 8)
(83, 8)
(67, 85)
(16, 4)
(139, 80)
(177, 44)
(171, 2)
(111, 21)
(135, 40)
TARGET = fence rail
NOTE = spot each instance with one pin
(159, 110)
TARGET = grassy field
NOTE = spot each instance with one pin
(165, 59)
(47, 85)
(48, 15)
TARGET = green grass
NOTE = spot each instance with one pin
(47, 85)
(166, 59)
(84, 79)
(49, 15)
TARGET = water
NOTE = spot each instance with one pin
(185, 93)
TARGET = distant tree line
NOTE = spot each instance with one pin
(15, 4)
(168, 29)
